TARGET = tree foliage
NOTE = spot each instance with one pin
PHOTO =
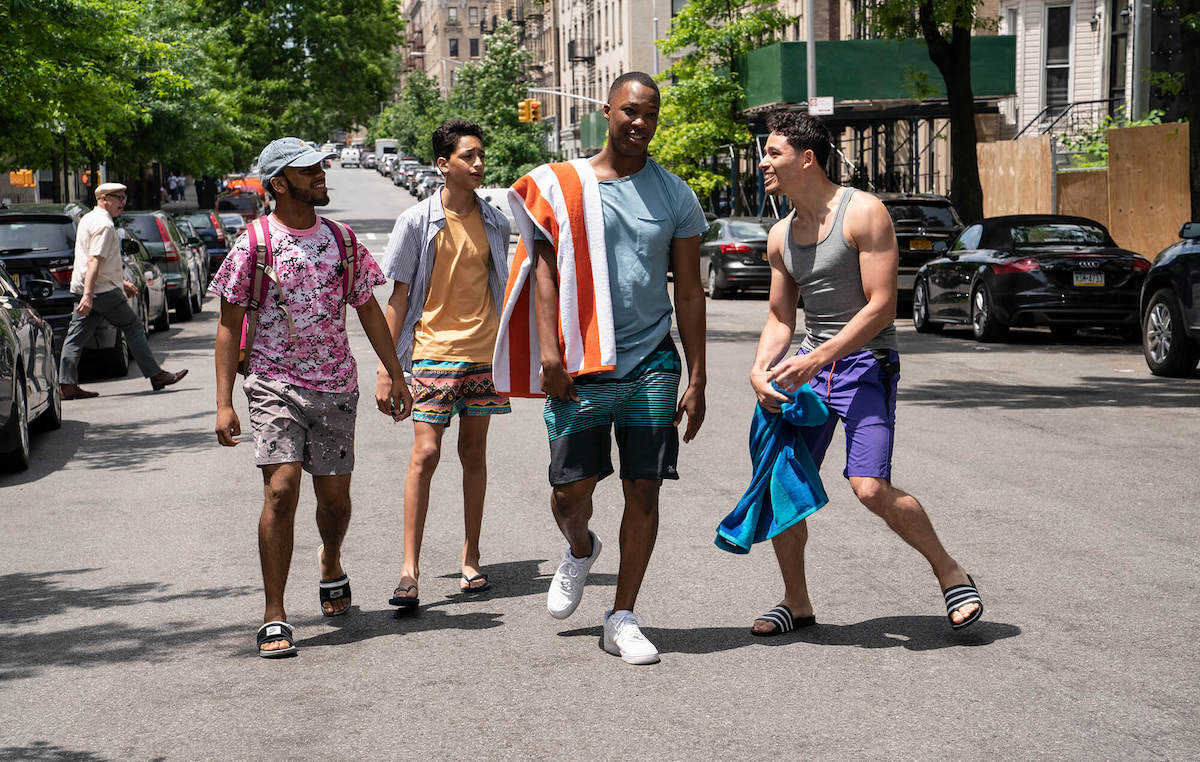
(701, 100)
(412, 119)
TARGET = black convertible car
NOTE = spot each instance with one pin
(1171, 307)
(1031, 270)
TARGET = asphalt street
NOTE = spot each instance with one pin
(1063, 476)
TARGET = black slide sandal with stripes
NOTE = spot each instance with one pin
(781, 617)
(958, 596)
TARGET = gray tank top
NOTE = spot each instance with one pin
(830, 283)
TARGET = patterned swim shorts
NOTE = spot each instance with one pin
(442, 388)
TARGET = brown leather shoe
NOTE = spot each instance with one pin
(166, 378)
(73, 392)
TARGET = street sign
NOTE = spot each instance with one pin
(820, 105)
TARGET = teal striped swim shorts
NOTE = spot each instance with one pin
(641, 405)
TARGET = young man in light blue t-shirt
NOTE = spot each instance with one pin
(652, 225)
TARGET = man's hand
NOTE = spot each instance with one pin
(557, 383)
(130, 289)
(794, 372)
(387, 389)
(768, 396)
(84, 306)
(691, 403)
(228, 426)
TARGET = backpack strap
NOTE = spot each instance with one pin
(259, 238)
(347, 245)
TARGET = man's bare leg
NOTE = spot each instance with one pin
(472, 453)
(426, 452)
(276, 527)
(572, 508)
(333, 518)
(789, 553)
(904, 514)
(639, 530)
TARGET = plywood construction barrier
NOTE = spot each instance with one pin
(1084, 193)
(1017, 176)
(1148, 192)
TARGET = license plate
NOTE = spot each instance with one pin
(920, 243)
(16, 279)
(1089, 279)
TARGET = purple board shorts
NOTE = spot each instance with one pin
(860, 390)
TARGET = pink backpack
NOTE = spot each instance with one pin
(264, 274)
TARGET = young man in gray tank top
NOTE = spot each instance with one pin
(838, 250)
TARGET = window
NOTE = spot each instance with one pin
(1058, 57)
(1117, 54)
(969, 238)
(451, 16)
(454, 47)
(472, 16)
(473, 44)
(1010, 21)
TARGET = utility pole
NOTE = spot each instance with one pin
(810, 47)
(1140, 102)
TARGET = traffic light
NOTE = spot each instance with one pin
(523, 110)
(535, 110)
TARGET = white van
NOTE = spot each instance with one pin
(350, 157)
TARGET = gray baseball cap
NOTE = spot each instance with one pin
(288, 152)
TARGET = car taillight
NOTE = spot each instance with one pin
(1023, 265)
(1141, 265)
(63, 274)
(169, 247)
(217, 227)
(735, 248)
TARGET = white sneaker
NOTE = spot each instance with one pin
(566, 589)
(623, 637)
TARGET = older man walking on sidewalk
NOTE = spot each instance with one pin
(99, 284)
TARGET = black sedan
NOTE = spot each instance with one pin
(733, 255)
(1171, 307)
(28, 371)
(1031, 270)
(925, 227)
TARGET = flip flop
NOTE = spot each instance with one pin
(272, 631)
(404, 602)
(958, 596)
(781, 617)
(334, 590)
(468, 589)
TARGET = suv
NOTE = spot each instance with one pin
(169, 249)
(37, 243)
(248, 204)
(212, 233)
(926, 225)
(1170, 304)
(350, 157)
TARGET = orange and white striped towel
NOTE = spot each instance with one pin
(563, 202)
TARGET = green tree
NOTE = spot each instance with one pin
(412, 119)
(946, 26)
(700, 108)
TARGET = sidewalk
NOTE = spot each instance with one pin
(189, 202)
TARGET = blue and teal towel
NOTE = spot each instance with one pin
(786, 486)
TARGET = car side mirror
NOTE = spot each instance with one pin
(39, 289)
(1190, 230)
(193, 240)
(129, 246)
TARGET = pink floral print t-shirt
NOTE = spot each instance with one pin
(308, 265)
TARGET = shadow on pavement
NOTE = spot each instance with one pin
(44, 751)
(514, 579)
(135, 446)
(1090, 391)
(915, 633)
(52, 450)
(30, 596)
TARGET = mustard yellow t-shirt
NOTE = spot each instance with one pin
(459, 321)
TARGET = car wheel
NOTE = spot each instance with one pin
(1063, 332)
(715, 291)
(198, 300)
(163, 321)
(114, 362)
(1168, 350)
(983, 316)
(17, 459)
(51, 417)
(183, 309)
(920, 310)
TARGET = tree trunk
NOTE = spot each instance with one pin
(953, 59)
(1189, 19)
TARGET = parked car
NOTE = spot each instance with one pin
(368, 161)
(497, 198)
(29, 390)
(37, 243)
(733, 256)
(1170, 307)
(169, 249)
(350, 157)
(234, 226)
(249, 205)
(429, 186)
(1031, 270)
(418, 175)
(925, 225)
(213, 234)
(196, 244)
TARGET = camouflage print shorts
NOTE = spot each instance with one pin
(293, 424)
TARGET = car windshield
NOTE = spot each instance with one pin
(1058, 233)
(201, 221)
(748, 231)
(233, 219)
(146, 227)
(926, 215)
(28, 235)
(239, 203)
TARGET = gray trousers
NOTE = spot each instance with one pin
(110, 306)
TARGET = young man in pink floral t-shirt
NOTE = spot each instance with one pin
(303, 384)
